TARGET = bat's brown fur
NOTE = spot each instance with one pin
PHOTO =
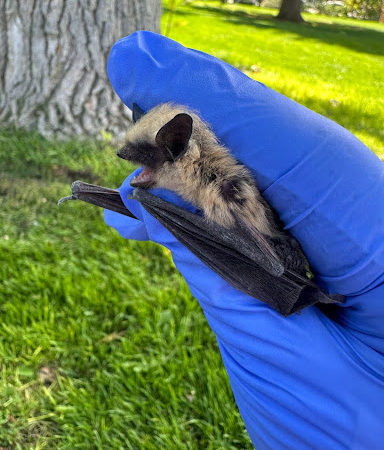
(207, 175)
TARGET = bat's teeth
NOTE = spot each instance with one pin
(144, 179)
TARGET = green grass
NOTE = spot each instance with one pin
(101, 344)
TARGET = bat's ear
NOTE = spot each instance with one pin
(174, 136)
(137, 112)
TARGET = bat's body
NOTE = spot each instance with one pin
(179, 152)
(239, 236)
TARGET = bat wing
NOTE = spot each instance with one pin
(99, 196)
(232, 254)
(236, 257)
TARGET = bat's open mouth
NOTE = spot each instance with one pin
(145, 179)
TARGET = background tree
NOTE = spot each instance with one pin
(364, 9)
(53, 58)
(290, 10)
(381, 19)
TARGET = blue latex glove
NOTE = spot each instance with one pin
(309, 380)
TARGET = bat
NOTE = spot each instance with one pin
(237, 233)
(179, 152)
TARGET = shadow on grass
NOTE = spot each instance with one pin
(354, 37)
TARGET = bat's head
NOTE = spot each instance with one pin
(158, 139)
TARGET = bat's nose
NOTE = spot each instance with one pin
(122, 153)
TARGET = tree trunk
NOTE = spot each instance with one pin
(53, 57)
(290, 10)
(381, 19)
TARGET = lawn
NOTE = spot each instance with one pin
(101, 344)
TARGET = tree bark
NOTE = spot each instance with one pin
(53, 57)
(290, 10)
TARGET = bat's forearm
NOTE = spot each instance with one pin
(99, 196)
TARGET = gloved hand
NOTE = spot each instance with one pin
(310, 380)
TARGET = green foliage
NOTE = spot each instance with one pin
(328, 7)
(363, 9)
(359, 9)
(101, 344)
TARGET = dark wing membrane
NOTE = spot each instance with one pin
(183, 221)
(234, 255)
(99, 196)
(236, 258)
